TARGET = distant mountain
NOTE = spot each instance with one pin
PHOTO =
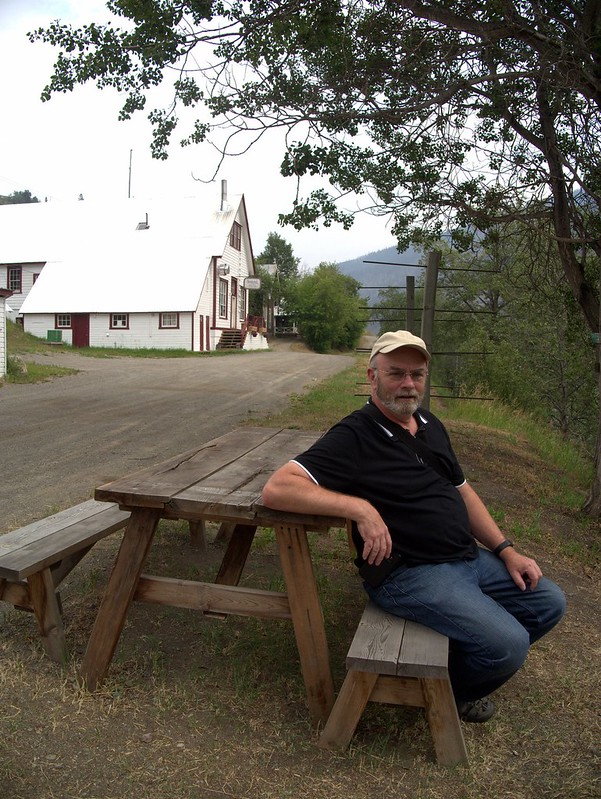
(382, 269)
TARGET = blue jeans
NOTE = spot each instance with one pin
(490, 623)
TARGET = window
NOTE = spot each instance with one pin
(223, 299)
(119, 321)
(236, 236)
(167, 320)
(242, 305)
(62, 321)
(15, 279)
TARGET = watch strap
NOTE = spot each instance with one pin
(503, 545)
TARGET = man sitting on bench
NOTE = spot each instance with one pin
(391, 469)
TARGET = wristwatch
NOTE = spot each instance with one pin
(503, 545)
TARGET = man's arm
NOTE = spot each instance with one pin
(524, 571)
(290, 488)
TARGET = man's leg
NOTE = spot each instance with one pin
(538, 611)
(488, 642)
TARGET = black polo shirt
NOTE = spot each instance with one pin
(424, 512)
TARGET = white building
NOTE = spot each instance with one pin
(166, 274)
(4, 293)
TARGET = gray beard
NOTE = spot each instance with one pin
(401, 408)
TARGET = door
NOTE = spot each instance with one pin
(80, 329)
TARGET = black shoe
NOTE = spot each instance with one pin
(478, 711)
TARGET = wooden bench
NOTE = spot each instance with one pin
(35, 559)
(398, 662)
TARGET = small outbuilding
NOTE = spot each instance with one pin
(4, 293)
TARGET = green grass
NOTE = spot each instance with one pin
(546, 442)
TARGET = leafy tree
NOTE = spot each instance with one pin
(274, 285)
(326, 306)
(279, 251)
(18, 197)
(447, 114)
(539, 352)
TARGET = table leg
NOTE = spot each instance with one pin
(118, 595)
(236, 554)
(307, 618)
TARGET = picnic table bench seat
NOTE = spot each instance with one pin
(35, 559)
(395, 661)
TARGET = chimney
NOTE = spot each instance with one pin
(223, 195)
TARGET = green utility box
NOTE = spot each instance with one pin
(54, 336)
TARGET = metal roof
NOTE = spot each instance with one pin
(99, 258)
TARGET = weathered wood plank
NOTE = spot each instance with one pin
(53, 523)
(154, 486)
(210, 597)
(236, 554)
(444, 723)
(118, 595)
(377, 642)
(307, 619)
(65, 533)
(347, 711)
(424, 652)
(398, 691)
(48, 615)
(387, 644)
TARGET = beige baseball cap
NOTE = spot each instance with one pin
(397, 339)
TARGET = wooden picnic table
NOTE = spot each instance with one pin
(218, 481)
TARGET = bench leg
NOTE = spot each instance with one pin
(47, 612)
(347, 711)
(445, 727)
(307, 618)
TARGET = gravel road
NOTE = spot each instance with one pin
(62, 438)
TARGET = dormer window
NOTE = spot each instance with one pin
(236, 236)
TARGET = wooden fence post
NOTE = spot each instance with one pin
(428, 312)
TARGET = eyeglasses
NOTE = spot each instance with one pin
(398, 375)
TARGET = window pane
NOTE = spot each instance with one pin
(119, 320)
(169, 320)
(223, 299)
(63, 320)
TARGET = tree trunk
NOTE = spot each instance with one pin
(592, 506)
(573, 269)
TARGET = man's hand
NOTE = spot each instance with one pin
(524, 571)
(377, 543)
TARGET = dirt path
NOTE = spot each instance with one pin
(62, 438)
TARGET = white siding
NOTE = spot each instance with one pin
(143, 332)
(40, 324)
(28, 271)
(2, 336)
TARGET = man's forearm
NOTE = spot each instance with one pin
(290, 489)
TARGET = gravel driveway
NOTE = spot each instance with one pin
(62, 438)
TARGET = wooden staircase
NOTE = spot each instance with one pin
(230, 340)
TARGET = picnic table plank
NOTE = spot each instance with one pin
(153, 486)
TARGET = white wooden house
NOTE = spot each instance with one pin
(166, 274)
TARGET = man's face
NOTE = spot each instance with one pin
(398, 380)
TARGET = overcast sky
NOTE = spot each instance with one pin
(75, 145)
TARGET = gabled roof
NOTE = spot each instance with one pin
(98, 261)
